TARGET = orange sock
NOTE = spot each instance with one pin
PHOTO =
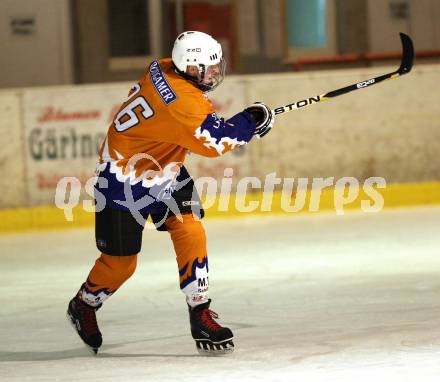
(106, 276)
(189, 242)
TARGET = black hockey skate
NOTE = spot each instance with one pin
(83, 319)
(211, 338)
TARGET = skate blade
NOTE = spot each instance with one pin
(208, 348)
(92, 350)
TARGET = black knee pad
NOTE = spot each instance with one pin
(117, 232)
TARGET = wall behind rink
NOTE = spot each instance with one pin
(392, 130)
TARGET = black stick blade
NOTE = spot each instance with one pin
(407, 54)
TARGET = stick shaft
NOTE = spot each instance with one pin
(405, 67)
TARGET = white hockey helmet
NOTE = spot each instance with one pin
(199, 49)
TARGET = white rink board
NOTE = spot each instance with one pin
(309, 298)
(390, 131)
(12, 185)
(63, 129)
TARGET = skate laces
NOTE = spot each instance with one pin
(89, 318)
(207, 319)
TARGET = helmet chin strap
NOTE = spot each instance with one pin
(194, 80)
(202, 71)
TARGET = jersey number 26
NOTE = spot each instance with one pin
(128, 113)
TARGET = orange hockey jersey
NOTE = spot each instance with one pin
(164, 117)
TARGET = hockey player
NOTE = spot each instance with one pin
(141, 174)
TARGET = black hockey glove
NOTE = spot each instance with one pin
(263, 117)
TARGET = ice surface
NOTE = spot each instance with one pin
(309, 297)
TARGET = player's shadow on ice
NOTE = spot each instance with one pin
(82, 351)
(79, 353)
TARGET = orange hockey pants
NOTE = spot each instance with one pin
(189, 240)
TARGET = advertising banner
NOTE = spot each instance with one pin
(63, 129)
(12, 185)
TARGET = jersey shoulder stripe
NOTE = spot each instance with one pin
(163, 88)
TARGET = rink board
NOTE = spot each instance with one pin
(54, 132)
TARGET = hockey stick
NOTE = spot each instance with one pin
(405, 67)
